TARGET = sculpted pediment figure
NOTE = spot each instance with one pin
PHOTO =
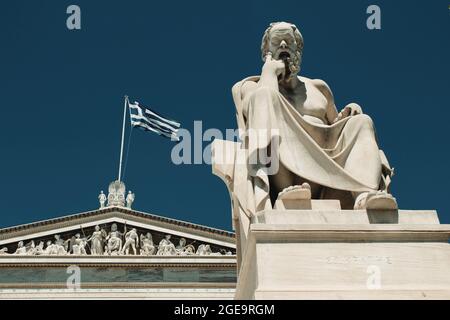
(116, 193)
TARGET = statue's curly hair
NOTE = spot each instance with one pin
(265, 40)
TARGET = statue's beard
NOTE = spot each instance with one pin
(292, 65)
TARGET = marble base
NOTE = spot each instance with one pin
(195, 293)
(345, 254)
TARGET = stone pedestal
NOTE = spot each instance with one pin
(345, 254)
(312, 249)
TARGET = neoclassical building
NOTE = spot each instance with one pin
(116, 252)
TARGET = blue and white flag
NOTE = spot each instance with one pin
(149, 120)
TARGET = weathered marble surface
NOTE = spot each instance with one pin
(166, 293)
(314, 254)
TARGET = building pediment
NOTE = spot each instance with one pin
(108, 231)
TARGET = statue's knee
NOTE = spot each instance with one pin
(363, 120)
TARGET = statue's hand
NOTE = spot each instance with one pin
(272, 66)
(349, 110)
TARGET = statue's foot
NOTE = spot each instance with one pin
(375, 200)
(302, 192)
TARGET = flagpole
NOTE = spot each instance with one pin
(123, 136)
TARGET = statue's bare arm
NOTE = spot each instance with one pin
(247, 88)
(271, 70)
(332, 113)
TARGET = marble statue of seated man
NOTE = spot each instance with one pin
(303, 135)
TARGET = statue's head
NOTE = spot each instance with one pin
(168, 236)
(182, 241)
(97, 228)
(77, 236)
(285, 42)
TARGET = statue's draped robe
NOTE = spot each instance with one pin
(96, 243)
(313, 151)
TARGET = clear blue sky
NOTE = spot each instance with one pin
(62, 95)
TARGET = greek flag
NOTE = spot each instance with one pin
(149, 120)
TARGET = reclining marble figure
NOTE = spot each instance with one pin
(331, 154)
